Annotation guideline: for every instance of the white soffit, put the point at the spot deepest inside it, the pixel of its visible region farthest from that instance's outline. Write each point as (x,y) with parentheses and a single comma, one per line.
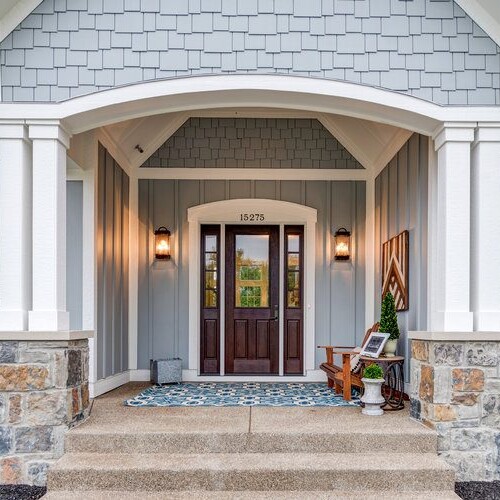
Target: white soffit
(12,12)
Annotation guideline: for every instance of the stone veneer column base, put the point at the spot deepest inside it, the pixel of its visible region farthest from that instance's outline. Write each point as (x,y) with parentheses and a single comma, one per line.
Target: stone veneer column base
(455,389)
(43,392)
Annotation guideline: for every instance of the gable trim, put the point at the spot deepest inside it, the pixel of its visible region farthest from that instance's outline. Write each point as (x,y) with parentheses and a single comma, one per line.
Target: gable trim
(482,17)
(20,10)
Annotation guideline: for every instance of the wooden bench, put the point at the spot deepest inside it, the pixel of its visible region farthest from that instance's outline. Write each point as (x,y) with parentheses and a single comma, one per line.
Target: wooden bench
(341,378)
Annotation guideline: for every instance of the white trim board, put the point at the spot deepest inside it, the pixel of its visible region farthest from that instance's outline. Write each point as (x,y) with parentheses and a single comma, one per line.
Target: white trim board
(19,11)
(254,91)
(328,174)
(108,384)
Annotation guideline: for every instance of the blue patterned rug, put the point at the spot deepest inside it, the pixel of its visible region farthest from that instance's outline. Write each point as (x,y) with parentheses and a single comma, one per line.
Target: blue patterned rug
(241,394)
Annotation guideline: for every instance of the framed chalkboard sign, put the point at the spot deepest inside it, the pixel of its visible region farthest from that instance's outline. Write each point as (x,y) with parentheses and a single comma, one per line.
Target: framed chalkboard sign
(374,345)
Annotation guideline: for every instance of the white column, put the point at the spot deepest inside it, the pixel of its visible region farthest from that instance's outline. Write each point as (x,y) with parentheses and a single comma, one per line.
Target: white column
(15,226)
(50,142)
(451,273)
(486,228)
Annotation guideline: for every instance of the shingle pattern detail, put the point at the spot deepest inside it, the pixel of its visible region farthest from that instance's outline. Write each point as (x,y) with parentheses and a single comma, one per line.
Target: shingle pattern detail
(426,48)
(252,143)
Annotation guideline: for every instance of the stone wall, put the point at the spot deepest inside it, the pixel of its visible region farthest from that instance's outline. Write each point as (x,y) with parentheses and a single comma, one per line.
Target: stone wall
(43,392)
(455,389)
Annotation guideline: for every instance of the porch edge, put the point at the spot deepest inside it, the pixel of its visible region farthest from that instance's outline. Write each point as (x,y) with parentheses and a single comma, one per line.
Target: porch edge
(455,336)
(46,336)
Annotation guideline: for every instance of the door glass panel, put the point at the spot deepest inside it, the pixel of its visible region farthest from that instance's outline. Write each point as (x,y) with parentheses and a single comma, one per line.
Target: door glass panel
(210,298)
(210,243)
(252,270)
(210,282)
(211,261)
(293,243)
(293,270)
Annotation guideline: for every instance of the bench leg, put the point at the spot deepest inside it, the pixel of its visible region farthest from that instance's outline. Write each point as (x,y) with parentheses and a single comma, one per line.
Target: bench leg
(338,389)
(330,383)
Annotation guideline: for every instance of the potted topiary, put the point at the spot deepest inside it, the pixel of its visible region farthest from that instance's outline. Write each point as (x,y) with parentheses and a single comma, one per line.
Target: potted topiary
(373,378)
(389,324)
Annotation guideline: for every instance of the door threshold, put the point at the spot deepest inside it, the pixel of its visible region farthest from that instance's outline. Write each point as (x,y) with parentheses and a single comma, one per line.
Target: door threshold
(310,376)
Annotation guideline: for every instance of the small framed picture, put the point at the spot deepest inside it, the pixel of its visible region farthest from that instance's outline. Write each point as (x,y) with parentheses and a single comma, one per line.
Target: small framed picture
(374,345)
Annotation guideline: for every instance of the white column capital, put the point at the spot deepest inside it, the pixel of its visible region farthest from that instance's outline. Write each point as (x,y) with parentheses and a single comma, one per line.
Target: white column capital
(454,132)
(49,130)
(13,129)
(487,132)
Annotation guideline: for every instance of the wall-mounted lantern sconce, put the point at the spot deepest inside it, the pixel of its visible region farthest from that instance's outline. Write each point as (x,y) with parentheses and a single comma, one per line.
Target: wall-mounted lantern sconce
(162,243)
(342,242)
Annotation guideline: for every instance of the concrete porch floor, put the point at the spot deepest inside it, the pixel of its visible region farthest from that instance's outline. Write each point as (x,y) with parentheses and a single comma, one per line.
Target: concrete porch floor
(109,415)
(249,452)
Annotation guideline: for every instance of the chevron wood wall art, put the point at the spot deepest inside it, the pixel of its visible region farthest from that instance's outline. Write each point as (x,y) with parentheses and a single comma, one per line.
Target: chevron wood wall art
(395,268)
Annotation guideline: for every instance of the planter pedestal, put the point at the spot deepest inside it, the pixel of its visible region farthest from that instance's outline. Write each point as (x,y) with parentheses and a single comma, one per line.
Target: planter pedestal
(372,397)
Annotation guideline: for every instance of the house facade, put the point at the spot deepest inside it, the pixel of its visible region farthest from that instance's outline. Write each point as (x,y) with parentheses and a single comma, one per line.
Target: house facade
(252,130)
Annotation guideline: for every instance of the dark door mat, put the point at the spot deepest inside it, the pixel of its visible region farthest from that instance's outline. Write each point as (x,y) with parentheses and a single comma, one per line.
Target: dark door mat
(21,492)
(478,490)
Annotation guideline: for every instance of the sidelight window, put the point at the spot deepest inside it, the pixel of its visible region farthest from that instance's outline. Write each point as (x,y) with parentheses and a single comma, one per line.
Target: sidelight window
(293,273)
(211,270)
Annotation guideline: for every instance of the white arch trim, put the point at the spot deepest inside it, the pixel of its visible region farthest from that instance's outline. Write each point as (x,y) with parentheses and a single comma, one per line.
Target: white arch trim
(229,91)
(228,212)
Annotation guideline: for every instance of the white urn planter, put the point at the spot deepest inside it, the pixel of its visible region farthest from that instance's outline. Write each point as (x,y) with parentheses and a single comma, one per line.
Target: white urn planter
(372,397)
(390,348)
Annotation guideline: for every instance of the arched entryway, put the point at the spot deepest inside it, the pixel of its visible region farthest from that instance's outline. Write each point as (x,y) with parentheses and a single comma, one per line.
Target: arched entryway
(242,213)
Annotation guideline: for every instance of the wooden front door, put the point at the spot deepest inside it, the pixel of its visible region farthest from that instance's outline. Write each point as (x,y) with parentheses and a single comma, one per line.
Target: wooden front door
(252,300)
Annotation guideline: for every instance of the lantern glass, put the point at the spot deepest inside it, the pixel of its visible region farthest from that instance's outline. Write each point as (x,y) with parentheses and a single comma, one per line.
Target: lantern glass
(162,243)
(342,244)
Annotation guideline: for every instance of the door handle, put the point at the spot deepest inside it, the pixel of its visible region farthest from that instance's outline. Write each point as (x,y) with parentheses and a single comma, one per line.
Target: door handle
(276,313)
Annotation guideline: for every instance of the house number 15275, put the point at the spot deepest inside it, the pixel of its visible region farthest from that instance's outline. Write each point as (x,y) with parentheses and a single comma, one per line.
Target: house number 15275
(252,217)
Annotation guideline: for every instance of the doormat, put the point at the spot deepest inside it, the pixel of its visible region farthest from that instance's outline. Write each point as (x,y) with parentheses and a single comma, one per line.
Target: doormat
(241,394)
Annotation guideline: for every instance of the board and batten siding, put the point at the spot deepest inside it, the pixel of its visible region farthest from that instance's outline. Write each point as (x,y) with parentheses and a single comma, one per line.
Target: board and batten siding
(401,195)
(112,266)
(163,287)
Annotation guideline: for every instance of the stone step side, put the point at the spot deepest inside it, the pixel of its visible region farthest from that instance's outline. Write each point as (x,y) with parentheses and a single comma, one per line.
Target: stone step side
(252,471)
(168,442)
(249,495)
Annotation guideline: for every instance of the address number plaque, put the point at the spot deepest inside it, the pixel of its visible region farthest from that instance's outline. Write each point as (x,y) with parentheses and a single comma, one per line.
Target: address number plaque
(252,217)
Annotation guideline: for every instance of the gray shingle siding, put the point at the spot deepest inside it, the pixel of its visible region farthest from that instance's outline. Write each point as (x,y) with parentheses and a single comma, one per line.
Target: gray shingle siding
(250,142)
(427,48)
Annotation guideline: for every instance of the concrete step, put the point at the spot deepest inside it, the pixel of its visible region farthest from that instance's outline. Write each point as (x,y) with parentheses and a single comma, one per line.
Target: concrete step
(402,472)
(256,442)
(249,495)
